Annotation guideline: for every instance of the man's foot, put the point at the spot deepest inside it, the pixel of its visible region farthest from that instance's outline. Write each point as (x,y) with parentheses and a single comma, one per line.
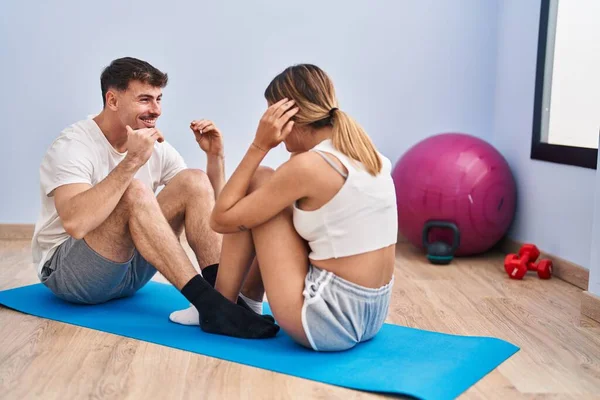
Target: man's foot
(209,274)
(190,316)
(231,319)
(220,316)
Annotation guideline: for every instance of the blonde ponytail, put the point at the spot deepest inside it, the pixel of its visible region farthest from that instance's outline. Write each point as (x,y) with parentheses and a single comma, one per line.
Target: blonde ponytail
(352,140)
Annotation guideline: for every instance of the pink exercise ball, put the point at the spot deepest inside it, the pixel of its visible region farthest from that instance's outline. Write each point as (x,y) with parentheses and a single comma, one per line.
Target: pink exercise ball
(457,178)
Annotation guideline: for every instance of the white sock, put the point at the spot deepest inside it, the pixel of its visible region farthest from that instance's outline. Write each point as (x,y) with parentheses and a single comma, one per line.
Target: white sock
(256,306)
(189,316)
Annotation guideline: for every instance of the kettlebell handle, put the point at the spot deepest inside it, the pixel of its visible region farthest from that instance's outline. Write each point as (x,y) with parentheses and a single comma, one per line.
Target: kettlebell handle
(445,225)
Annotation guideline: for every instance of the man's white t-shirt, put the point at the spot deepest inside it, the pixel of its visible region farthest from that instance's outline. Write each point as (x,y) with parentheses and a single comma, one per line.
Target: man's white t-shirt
(82,154)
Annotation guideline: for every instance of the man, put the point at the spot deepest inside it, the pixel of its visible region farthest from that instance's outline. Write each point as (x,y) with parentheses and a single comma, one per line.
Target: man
(102,233)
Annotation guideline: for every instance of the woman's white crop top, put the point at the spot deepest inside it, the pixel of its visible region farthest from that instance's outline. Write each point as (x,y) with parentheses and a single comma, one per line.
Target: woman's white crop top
(361,217)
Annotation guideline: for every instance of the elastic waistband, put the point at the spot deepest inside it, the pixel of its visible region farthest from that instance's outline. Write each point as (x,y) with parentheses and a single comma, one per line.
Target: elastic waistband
(327,277)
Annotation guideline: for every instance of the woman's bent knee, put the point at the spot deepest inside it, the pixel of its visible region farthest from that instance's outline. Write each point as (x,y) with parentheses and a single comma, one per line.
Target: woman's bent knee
(261,175)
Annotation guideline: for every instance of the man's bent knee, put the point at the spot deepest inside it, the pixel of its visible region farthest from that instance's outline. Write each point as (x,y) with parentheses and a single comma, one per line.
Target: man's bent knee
(137,194)
(193,182)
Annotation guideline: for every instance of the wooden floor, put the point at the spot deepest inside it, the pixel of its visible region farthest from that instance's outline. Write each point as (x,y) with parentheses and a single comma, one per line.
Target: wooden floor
(559,356)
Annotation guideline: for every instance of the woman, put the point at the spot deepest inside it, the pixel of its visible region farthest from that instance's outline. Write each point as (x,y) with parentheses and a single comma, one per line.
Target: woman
(322,227)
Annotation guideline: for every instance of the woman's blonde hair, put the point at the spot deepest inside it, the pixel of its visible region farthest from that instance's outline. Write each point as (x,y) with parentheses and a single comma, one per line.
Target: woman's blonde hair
(314,94)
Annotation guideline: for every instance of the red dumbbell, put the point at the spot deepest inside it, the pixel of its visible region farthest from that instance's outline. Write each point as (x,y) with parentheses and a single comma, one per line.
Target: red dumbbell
(543,268)
(516,265)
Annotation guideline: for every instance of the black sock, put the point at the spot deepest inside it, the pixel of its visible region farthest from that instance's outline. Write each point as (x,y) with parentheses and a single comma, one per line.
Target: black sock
(210,274)
(221,316)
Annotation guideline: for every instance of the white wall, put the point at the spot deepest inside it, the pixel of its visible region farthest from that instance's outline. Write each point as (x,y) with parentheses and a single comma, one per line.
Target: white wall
(549,213)
(405,70)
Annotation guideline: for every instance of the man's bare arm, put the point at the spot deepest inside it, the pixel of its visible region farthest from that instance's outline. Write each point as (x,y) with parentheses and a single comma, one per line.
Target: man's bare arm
(215,170)
(210,139)
(82,208)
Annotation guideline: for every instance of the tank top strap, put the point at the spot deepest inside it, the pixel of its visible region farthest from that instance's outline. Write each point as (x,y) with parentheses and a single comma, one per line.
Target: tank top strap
(333,165)
(326,146)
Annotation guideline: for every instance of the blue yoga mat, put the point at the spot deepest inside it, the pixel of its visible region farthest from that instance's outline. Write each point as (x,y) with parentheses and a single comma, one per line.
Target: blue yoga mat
(399,360)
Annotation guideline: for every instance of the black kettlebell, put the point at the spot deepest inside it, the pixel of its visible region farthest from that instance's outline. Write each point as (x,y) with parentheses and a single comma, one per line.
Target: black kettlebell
(440,252)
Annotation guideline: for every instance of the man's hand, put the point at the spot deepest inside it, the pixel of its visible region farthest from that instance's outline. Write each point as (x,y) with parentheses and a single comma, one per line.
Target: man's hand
(208,137)
(140,144)
(210,140)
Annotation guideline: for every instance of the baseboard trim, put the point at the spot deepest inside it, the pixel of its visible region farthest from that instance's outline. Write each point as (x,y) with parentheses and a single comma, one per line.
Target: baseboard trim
(16,231)
(562,269)
(590,305)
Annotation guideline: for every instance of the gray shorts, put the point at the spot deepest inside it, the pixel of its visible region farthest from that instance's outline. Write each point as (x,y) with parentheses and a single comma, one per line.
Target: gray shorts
(338,314)
(76,273)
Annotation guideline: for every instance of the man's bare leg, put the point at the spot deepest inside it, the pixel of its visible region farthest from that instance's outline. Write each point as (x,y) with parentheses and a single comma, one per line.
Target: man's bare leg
(135,223)
(187,201)
(184,199)
(139,221)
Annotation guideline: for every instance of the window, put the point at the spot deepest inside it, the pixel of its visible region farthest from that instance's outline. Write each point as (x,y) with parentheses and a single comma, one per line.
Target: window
(567,89)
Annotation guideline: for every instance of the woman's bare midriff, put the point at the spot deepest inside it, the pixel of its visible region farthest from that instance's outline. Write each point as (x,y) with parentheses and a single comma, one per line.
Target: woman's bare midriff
(373,269)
